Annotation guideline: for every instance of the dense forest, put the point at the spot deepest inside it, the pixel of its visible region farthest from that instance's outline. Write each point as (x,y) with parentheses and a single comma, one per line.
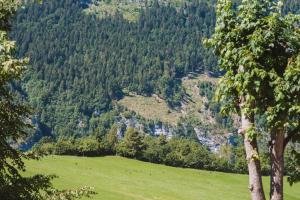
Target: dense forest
(80,64)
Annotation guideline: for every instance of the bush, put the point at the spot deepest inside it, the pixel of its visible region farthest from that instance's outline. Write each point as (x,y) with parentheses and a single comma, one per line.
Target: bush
(88,147)
(155,149)
(45,148)
(240,162)
(65,147)
(110,142)
(177,152)
(187,153)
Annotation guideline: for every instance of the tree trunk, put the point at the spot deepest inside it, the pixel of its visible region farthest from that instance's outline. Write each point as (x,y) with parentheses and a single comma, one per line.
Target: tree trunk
(255,179)
(277,165)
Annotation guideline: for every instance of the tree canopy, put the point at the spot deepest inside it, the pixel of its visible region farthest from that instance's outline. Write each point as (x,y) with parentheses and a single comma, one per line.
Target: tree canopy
(258,46)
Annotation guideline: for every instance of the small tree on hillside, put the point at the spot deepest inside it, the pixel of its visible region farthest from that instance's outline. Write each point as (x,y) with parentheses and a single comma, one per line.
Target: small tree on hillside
(132,145)
(258,47)
(110,141)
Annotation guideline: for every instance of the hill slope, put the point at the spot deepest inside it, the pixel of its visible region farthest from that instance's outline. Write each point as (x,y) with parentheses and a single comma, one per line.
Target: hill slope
(155,108)
(80,63)
(116,178)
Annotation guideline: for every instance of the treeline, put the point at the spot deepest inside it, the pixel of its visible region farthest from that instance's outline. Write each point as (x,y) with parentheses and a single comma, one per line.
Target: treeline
(79,63)
(177,151)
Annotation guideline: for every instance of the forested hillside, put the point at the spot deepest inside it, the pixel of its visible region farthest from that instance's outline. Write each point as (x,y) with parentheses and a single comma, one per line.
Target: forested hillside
(80,63)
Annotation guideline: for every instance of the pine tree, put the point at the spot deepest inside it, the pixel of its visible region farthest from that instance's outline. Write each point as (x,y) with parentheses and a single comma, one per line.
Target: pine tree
(14,125)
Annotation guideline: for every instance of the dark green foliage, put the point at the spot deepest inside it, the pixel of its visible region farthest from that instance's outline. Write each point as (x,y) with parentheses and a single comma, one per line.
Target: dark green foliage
(104,123)
(23,188)
(80,63)
(110,141)
(177,152)
(185,129)
(292,163)
(292,6)
(14,123)
(187,153)
(155,149)
(132,145)
(207,89)
(240,162)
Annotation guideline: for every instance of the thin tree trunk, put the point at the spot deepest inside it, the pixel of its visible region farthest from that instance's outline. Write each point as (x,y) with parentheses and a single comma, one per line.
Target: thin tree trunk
(254,168)
(277,165)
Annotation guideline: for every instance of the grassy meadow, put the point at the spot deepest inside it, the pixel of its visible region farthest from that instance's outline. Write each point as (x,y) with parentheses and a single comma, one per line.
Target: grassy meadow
(152,108)
(155,108)
(116,178)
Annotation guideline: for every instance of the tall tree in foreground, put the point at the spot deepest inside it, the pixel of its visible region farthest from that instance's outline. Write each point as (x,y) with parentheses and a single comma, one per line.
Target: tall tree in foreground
(258,47)
(14,120)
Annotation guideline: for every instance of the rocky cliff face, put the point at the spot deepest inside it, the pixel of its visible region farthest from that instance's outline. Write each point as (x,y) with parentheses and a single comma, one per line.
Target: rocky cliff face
(212,141)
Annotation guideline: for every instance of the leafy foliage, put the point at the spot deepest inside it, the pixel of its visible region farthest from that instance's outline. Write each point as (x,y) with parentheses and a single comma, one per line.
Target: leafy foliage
(259,47)
(177,151)
(207,89)
(292,166)
(13,121)
(69,194)
(254,60)
(132,145)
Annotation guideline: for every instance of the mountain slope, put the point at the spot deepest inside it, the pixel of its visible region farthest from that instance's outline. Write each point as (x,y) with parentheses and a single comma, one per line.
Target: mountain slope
(156,108)
(80,63)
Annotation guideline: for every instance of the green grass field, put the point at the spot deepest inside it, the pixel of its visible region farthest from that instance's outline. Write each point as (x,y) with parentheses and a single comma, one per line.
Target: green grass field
(116,178)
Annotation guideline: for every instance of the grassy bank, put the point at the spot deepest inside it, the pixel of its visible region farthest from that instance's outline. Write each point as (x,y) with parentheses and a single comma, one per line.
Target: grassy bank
(116,178)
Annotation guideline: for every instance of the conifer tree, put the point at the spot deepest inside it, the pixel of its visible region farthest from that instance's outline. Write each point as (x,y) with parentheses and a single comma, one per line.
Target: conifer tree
(14,124)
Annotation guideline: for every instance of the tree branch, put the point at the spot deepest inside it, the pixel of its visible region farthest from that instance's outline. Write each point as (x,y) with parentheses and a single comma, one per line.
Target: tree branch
(290,136)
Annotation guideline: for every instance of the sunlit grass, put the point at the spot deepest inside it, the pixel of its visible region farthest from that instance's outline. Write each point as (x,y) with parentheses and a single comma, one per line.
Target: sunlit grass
(116,178)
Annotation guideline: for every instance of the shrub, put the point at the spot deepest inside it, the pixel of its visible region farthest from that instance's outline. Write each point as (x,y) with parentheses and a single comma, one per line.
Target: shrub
(88,147)
(65,147)
(155,149)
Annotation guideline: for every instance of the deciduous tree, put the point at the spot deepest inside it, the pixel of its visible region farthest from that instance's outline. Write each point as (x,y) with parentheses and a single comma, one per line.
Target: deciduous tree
(258,47)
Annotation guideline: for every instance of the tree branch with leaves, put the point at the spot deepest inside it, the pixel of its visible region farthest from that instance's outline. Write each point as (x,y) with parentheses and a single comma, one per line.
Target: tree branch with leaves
(14,124)
(258,47)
